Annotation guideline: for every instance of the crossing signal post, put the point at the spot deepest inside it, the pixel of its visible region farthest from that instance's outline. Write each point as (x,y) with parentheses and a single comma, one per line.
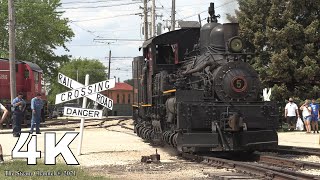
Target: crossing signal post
(79,90)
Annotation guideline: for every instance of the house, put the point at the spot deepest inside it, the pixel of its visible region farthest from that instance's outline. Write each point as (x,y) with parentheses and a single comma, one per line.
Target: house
(122,96)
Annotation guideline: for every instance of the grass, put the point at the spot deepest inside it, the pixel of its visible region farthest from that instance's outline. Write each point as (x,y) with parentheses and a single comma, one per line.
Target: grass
(20,170)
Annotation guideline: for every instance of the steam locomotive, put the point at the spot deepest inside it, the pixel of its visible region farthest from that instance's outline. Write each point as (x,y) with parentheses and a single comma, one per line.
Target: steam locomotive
(28,81)
(194,90)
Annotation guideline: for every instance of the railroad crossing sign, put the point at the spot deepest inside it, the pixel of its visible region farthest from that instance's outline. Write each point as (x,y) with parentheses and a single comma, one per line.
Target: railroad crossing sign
(79,90)
(79,112)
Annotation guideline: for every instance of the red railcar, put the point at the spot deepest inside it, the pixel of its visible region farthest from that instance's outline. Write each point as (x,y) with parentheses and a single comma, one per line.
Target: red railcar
(29,81)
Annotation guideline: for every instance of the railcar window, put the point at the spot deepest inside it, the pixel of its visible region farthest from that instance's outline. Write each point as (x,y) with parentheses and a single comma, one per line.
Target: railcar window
(26,73)
(164,54)
(118,98)
(129,98)
(36,77)
(123,98)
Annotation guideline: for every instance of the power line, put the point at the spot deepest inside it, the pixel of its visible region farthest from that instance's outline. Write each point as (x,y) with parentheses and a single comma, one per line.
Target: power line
(90,7)
(88,31)
(89,2)
(109,17)
(206,10)
(113,39)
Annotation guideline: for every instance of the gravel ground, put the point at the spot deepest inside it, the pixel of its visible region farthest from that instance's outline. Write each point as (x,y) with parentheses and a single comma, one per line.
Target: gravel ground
(115,152)
(315,159)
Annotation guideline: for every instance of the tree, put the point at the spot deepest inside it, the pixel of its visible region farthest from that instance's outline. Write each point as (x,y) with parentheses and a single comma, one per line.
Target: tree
(40,29)
(77,70)
(129,81)
(285,37)
(232,18)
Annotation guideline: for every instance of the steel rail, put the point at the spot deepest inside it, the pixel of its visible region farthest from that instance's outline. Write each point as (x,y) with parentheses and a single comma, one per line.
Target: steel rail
(249,168)
(288,162)
(297,150)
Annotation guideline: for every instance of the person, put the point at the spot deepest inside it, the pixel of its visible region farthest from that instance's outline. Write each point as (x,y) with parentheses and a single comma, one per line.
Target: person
(306,114)
(291,113)
(36,107)
(18,107)
(4,115)
(315,114)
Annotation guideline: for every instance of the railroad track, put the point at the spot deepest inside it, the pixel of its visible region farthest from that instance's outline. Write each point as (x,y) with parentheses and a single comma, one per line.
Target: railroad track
(279,168)
(288,162)
(297,150)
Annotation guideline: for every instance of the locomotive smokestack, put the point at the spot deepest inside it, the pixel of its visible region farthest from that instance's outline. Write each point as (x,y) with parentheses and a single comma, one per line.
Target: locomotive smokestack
(213,17)
(211,9)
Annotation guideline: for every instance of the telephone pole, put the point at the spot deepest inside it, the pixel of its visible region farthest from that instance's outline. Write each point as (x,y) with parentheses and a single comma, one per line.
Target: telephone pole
(109,64)
(153,18)
(145,15)
(173,15)
(12,55)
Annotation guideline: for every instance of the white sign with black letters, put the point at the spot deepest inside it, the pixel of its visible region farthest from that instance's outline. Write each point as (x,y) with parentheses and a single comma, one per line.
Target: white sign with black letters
(72,84)
(80,112)
(85,91)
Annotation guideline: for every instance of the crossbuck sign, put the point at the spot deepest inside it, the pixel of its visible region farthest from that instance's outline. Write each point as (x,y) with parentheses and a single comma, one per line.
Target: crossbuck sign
(78,90)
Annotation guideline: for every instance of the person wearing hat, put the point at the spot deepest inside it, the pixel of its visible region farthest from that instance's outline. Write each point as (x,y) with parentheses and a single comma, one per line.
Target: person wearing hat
(18,108)
(291,113)
(4,115)
(36,107)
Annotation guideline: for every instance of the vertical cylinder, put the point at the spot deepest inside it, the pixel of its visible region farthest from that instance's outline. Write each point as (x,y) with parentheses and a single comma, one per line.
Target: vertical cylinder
(12,49)
(173,15)
(84,104)
(145,12)
(153,17)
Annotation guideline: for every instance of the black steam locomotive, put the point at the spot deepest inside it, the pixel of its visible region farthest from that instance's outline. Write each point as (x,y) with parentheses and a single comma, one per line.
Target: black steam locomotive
(194,90)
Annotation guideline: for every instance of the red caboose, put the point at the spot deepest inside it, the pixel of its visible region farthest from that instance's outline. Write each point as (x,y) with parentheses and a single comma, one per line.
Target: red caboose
(28,81)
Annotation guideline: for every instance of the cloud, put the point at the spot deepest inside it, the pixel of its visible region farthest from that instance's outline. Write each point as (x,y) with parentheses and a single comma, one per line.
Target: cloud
(111,23)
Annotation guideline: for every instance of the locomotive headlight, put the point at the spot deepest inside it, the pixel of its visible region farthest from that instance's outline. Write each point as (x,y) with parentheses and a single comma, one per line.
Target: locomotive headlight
(235,44)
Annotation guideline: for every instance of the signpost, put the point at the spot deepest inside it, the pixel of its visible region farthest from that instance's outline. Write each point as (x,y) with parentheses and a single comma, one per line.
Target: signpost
(79,90)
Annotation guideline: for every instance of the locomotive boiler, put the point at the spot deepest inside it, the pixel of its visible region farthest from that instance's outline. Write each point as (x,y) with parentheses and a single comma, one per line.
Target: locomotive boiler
(195,90)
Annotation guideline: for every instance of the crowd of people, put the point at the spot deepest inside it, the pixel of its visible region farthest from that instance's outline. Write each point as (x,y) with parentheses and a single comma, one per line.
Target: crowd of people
(18,107)
(310,115)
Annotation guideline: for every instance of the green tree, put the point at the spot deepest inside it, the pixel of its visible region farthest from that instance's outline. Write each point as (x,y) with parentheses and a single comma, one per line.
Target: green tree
(232,18)
(129,81)
(285,37)
(77,70)
(40,29)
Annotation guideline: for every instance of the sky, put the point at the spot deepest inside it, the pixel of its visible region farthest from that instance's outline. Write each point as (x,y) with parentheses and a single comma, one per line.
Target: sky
(94,21)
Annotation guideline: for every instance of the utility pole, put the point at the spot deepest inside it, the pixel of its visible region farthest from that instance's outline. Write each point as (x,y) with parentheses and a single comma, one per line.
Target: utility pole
(153,18)
(78,100)
(109,68)
(173,15)
(109,64)
(145,15)
(12,50)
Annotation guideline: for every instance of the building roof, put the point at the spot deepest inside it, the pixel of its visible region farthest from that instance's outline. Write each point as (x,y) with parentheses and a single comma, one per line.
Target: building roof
(122,86)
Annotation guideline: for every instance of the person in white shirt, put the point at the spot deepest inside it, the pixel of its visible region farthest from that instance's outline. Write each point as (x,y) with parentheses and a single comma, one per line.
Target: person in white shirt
(291,113)
(306,114)
(4,115)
